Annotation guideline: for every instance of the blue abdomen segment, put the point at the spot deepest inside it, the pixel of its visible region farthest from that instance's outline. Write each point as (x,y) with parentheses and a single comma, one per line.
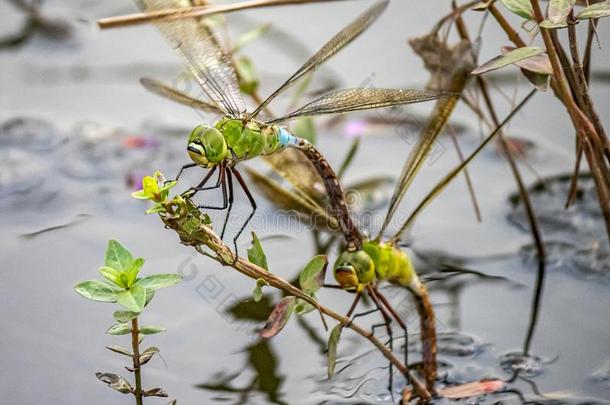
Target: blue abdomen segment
(286,138)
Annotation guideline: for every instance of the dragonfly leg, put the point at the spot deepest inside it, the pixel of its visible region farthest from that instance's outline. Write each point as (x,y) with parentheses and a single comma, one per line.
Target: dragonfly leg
(223,183)
(186,166)
(399,320)
(387,321)
(230,181)
(244,187)
(365,313)
(352,307)
(200,187)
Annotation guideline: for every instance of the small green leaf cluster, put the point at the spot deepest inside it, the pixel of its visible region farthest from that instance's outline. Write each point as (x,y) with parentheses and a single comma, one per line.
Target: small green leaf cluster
(256,255)
(155,188)
(311,279)
(558,11)
(122,285)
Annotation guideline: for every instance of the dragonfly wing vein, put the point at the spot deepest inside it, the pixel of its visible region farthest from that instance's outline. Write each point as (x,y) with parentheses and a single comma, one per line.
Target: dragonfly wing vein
(346,100)
(203,56)
(334,45)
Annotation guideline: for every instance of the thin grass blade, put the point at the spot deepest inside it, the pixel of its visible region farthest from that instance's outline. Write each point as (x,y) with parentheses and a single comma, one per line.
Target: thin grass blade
(346,100)
(336,43)
(441,185)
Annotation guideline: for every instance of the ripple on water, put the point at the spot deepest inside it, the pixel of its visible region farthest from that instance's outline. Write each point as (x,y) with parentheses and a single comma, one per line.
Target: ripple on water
(453,343)
(30,133)
(20,172)
(527,366)
(575,238)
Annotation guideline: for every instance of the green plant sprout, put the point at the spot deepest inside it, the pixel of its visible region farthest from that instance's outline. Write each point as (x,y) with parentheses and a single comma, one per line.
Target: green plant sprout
(122,285)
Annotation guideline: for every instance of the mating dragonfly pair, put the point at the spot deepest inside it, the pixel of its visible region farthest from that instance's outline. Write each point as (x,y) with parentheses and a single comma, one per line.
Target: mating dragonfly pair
(240,136)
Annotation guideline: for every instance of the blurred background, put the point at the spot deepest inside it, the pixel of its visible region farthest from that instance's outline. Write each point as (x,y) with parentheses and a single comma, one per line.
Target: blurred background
(77,133)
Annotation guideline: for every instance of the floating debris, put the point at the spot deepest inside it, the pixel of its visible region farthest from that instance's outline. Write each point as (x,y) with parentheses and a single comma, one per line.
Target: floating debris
(526,366)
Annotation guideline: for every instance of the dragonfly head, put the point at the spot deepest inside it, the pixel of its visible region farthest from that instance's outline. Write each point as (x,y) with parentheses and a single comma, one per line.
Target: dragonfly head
(207,147)
(353,270)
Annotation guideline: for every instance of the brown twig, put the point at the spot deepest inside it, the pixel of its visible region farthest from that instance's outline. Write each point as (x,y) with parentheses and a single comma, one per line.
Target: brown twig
(205,236)
(581,122)
(191,12)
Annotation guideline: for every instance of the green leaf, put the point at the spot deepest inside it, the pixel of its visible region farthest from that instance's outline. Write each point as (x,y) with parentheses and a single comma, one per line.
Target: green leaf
(257,293)
(111,274)
(149,296)
(537,64)
(311,277)
(278,317)
(509,58)
(132,299)
(133,270)
(140,195)
(97,290)
(151,329)
(117,256)
(539,80)
(148,354)
(157,281)
(558,10)
(333,343)
(155,392)
(115,382)
(152,191)
(598,10)
(119,329)
(256,254)
(305,128)
(150,186)
(550,25)
(120,350)
(124,316)
(523,8)
(303,307)
(155,209)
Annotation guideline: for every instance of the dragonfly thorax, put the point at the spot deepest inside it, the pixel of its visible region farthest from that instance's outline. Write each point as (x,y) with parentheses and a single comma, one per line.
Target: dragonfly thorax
(234,140)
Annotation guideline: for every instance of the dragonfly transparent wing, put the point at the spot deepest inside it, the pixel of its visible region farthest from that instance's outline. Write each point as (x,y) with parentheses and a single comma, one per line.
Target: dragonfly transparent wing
(203,56)
(163,90)
(336,43)
(345,100)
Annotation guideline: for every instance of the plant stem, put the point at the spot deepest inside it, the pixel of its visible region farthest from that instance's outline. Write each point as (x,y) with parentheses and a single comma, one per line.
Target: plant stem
(585,129)
(135,346)
(205,236)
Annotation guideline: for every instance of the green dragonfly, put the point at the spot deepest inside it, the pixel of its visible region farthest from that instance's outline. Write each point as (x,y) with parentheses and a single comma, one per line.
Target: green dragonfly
(238,135)
(364,263)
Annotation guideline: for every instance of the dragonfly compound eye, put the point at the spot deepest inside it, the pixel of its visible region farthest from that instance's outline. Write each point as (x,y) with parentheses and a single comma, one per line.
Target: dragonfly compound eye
(207,147)
(353,269)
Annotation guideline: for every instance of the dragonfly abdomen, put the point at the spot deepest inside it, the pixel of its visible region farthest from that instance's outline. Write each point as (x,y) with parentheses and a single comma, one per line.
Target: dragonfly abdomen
(339,208)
